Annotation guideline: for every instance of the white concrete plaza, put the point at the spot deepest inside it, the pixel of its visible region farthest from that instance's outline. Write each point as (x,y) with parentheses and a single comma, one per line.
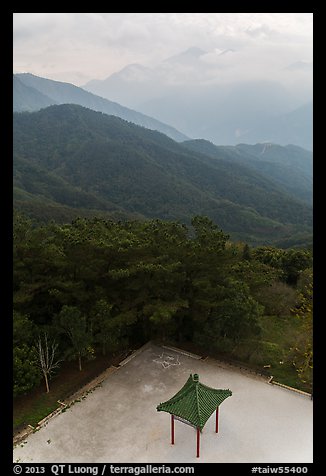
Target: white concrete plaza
(118,421)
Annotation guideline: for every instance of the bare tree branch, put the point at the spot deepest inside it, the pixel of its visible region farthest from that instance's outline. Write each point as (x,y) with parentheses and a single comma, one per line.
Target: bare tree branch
(47,362)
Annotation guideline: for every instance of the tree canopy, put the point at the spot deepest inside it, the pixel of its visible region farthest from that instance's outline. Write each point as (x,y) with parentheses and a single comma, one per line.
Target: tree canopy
(99,286)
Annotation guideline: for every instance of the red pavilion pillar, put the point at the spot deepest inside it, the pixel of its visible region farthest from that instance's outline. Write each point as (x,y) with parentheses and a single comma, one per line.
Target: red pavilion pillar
(216,426)
(172,429)
(198,441)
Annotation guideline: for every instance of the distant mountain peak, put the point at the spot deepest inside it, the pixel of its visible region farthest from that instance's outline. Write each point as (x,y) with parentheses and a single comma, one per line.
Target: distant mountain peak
(189,54)
(132,72)
(134,66)
(32,93)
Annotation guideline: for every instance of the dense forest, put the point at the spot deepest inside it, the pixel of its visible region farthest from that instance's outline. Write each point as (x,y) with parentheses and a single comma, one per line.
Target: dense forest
(95,286)
(70,161)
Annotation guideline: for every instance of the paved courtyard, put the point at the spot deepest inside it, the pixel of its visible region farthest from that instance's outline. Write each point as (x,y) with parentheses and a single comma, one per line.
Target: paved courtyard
(118,421)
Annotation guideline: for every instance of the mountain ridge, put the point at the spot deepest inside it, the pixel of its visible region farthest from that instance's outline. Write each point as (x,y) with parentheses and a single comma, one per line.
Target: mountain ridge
(290,167)
(144,172)
(199,93)
(66,93)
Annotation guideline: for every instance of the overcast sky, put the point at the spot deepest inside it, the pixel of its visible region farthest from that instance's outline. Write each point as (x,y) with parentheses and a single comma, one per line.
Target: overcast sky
(77,47)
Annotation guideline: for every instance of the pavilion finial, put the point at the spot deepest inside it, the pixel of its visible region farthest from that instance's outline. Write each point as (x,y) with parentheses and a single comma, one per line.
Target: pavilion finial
(195,378)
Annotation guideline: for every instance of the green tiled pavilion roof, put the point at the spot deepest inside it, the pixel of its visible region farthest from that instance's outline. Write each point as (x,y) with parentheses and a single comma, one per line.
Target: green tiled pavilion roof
(195,402)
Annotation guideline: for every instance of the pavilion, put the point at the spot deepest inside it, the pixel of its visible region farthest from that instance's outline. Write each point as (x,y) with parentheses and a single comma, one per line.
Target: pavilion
(193,404)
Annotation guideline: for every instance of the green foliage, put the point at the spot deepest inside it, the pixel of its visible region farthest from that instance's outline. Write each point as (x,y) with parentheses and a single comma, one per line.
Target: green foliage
(31,93)
(302,351)
(294,262)
(235,318)
(69,160)
(289,167)
(73,323)
(105,329)
(291,263)
(278,298)
(24,330)
(26,373)
(102,286)
(208,235)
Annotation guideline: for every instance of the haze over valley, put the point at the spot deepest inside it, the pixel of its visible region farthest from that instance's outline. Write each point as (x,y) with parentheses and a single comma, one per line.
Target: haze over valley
(234,105)
(162,192)
(196,93)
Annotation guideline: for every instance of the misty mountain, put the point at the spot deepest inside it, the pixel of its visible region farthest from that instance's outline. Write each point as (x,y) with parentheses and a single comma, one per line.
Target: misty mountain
(249,112)
(136,84)
(290,167)
(90,162)
(197,93)
(296,125)
(31,93)
(188,56)
(27,98)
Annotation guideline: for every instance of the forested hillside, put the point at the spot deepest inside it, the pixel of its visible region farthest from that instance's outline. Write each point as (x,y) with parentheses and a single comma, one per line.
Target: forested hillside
(27,98)
(166,204)
(31,93)
(290,167)
(95,286)
(71,161)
